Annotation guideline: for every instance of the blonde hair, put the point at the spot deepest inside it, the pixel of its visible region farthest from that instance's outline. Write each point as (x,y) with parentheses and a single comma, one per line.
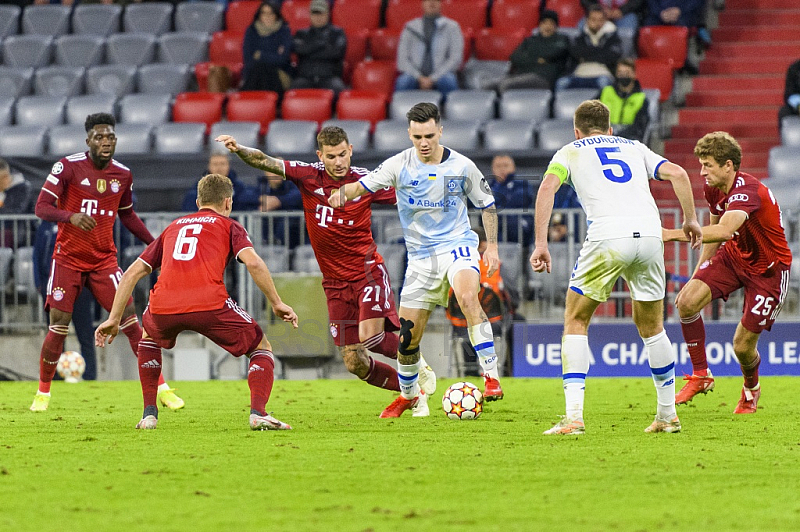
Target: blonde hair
(721,147)
(213,189)
(592,116)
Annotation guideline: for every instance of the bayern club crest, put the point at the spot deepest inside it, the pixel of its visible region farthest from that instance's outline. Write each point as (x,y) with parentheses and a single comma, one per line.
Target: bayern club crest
(114,186)
(334,330)
(58,293)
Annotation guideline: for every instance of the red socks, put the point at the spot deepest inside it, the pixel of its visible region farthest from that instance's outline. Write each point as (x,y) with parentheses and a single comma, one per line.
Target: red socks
(382,375)
(384,344)
(52,347)
(149,370)
(260,377)
(694,334)
(133,331)
(751,373)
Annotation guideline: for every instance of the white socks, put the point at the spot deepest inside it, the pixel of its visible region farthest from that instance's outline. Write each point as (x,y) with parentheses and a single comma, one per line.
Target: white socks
(408,375)
(574,367)
(662,366)
(482,339)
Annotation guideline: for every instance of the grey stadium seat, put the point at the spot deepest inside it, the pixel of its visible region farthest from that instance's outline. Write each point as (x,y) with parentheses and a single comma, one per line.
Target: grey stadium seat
(131,49)
(357,131)
(59,80)
(304,260)
(79,107)
(41,110)
(27,50)
(404,100)
(133,139)
(206,17)
(161,78)
(6,110)
(526,104)
(46,19)
(554,134)
(23,271)
(276,257)
(460,135)
(9,20)
(151,109)
(15,81)
(291,136)
(66,140)
(183,48)
(511,264)
(96,19)
(470,105)
(786,193)
(790,131)
(390,135)
(784,162)
(244,132)
(565,102)
(22,141)
(79,50)
(117,80)
(480,73)
(502,135)
(183,137)
(152,17)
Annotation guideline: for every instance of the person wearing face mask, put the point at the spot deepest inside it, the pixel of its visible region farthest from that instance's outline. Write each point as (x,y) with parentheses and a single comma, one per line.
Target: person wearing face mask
(627,102)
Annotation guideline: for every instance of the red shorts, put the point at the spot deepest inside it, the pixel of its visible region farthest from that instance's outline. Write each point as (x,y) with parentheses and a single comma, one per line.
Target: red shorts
(65,284)
(230,327)
(351,302)
(763,294)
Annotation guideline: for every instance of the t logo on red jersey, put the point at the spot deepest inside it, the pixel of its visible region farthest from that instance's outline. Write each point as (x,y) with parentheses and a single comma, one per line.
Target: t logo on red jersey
(89,207)
(325,216)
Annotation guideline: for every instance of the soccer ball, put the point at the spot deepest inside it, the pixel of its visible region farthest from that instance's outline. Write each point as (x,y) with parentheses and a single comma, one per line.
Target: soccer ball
(462,400)
(71,366)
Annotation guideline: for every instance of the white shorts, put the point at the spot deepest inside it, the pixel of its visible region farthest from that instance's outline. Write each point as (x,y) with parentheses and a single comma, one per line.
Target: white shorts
(640,261)
(428,279)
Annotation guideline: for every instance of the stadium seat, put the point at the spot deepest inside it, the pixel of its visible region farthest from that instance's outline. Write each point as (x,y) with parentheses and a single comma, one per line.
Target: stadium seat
(479,74)
(526,104)
(96,19)
(468,13)
(512,265)
(569,12)
(667,43)
(515,14)
(508,135)
(554,134)
(787,194)
(134,49)
(240,15)
(79,107)
(782,164)
(205,17)
(398,12)
(297,14)
(133,138)
(226,48)
(183,48)
(15,82)
(179,138)
(6,111)
(361,105)
(205,107)
(46,19)
(496,43)
(27,50)
(305,261)
(292,137)
(383,44)
(22,141)
(307,104)
(9,20)
(79,50)
(245,133)
(628,38)
(23,272)
(655,74)
(163,78)
(357,132)
(111,79)
(790,131)
(356,14)
(150,17)
(470,105)
(391,135)
(59,81)
(66,140)
(41,110)
(404,100)
(253,105)
(375,76)
(356,50)
(460,135)
(151,109)
(276,257)
(565,102)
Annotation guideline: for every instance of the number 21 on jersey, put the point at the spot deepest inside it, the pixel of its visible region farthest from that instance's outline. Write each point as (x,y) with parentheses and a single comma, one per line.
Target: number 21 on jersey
(185,245)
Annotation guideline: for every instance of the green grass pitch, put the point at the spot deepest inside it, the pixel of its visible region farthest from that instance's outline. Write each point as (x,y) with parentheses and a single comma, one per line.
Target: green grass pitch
(81,466)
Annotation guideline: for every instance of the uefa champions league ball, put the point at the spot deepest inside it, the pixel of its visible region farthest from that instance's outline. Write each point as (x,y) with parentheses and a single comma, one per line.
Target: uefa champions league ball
(462,400)
(71,366)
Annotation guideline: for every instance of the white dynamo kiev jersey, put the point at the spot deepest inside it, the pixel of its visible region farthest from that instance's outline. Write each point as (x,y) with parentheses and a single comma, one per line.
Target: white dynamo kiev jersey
(431,199)
(611,176)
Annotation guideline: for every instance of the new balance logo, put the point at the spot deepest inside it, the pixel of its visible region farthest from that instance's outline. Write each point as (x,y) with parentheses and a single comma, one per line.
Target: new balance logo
(151,364)
(85,182)
(376,308)
(319,191)
(254,367)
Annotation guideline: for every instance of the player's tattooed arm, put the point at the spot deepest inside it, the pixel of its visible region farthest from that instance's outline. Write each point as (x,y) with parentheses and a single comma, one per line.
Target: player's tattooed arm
(491,256)
(252,156)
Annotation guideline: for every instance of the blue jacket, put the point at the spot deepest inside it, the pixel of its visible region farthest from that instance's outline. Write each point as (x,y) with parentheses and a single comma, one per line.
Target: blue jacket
(275,49)
(514,194)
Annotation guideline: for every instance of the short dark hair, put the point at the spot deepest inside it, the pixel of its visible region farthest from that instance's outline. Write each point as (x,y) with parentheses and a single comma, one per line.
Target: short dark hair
(594,7)
(273,5)
(331,136)
(98,119)
(424,111)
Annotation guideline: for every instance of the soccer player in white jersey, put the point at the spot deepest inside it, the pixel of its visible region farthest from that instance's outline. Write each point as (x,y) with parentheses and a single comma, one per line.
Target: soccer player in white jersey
(610,177)
(432,183)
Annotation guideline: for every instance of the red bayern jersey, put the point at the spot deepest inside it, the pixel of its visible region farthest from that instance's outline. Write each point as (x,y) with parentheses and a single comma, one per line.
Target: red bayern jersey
(79,186)
(341,238)
(192,253)
(760,242)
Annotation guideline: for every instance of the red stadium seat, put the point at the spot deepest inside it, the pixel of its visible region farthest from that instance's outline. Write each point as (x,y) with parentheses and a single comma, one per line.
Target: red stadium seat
(468,13)
(515,14)
(398,12)
(225,47)
(249,106)
(205,107)
(356,50)
(361,105)
(356,14)
(375,76)
(297,14)
(497,44)
(383,44)
(307,104)
(655,74)
(240,15)
(667,43)
(570,12)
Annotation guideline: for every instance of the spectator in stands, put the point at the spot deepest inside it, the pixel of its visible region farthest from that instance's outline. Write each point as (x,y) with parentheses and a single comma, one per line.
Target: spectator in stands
(267,51)
(623,13)
(627,102)
(245,198)
(558,230)
(512,193)
(595,53)
(278,194)
(430,51)
(320,52)
(16,197)
(791,94)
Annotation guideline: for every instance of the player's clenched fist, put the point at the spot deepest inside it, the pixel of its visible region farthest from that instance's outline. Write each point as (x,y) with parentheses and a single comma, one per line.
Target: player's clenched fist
(229,142)
(337,198)
(82,221)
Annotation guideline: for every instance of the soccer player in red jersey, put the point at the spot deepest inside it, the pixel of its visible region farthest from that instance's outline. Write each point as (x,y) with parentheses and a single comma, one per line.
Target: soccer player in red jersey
(84,193)
(746,247)
(361,308)
(192,253)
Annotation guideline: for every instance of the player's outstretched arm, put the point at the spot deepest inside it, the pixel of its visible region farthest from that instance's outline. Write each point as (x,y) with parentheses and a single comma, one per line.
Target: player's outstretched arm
(263,279)
(110,328)
(718,231)
(679,179)
(491,257)
(540,258)
(253,157)
(344,194)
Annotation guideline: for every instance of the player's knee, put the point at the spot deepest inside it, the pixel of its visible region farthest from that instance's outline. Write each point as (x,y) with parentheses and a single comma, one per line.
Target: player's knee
(468,301)
(59,317)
